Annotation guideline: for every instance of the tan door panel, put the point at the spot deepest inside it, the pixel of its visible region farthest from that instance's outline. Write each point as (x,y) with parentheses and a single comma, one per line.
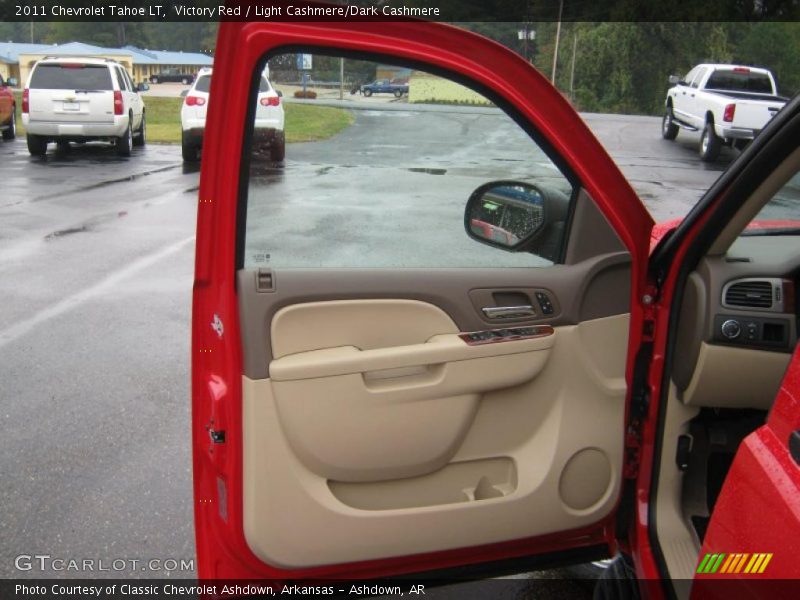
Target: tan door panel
(365,324)
(393,448)
(393,427)
(375,396)
(438,351)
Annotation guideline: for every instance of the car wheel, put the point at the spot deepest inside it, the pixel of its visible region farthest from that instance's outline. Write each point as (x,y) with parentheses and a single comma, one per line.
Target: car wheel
(188,149)
(11,132)
(710,144)
(141,135)
(125,142)
(669,130)
(278,150)
(184,81)
(154,80)
(37,145)
(368,93)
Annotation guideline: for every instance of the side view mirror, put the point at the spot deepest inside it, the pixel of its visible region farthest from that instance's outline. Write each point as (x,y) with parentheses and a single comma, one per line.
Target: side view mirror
(142,87)
(517,216)
(674,80)
(12,82)
(184,93)
(280,93)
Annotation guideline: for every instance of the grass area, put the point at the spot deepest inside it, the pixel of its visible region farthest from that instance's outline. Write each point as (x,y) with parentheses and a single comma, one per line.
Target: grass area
(308,123)
(304,122)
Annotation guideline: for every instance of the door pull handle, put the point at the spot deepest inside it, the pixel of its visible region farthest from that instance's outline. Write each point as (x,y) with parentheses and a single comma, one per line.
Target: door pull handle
(509,312)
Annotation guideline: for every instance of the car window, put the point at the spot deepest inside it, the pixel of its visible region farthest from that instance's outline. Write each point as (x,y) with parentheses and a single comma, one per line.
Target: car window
(781,215)
(698,77)
(71,76)
(690,75)
(121,81)
(384,181)
(203,83)
(128,79)
(740,80)
(263,86)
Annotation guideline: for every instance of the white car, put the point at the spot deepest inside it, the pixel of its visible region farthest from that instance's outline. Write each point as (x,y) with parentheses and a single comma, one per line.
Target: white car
(728,104)
(268,131)
(79,99)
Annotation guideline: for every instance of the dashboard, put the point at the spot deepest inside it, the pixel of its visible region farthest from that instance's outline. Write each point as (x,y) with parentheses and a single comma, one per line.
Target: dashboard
(738,324)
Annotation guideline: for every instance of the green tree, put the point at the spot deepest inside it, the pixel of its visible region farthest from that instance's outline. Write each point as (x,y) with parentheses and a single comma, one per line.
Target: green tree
(775,46)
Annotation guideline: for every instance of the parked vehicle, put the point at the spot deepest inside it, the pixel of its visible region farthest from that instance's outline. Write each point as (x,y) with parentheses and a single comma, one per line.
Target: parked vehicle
(385,86)
(385,421)
(269,119)
(79,99)
(728,104)
(8,109)
(172,76)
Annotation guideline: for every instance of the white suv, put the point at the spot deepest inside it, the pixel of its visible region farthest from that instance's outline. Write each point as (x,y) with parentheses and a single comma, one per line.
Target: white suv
(79,99)
(268,135)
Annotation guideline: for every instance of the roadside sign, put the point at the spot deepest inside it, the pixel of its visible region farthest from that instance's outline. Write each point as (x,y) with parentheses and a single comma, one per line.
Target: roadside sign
(304,62)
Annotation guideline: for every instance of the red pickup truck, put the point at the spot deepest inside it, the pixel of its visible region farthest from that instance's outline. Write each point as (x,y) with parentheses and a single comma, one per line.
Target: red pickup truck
(8,109)
(579,395)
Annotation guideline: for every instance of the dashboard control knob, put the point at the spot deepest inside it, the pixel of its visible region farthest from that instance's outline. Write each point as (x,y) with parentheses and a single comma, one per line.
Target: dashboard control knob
(731,329)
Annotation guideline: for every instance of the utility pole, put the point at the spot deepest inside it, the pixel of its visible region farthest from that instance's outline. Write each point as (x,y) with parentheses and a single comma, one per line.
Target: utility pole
(341,78)
(31,32)
(572,68)
(558,37)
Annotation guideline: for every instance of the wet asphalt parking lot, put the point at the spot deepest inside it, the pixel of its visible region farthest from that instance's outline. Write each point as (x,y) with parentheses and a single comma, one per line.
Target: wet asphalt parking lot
(96,263)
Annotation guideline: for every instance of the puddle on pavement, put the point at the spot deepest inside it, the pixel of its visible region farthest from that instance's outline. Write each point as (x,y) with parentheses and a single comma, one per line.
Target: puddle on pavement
(427,171)
(68,231)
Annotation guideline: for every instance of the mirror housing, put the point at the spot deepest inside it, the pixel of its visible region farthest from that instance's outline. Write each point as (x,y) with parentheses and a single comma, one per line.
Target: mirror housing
(280,93)
(142,87)
(518,217)
(675,80)
(184,93)
(12,82)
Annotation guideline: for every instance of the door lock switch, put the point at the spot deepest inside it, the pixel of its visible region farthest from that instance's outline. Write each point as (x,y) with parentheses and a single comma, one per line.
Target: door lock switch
(544,303)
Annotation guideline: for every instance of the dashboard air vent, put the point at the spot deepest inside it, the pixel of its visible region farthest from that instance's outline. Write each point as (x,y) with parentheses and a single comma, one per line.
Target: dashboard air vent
(749,294)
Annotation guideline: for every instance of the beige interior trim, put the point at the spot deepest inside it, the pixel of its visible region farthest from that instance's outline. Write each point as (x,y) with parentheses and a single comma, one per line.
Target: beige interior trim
(736,377)
(369,441)
(763,194)
(365,324)
(541,456)
(676,535)
(438,350)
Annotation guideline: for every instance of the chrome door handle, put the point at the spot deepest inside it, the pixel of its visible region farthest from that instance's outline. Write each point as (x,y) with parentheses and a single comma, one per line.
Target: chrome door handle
(509,312)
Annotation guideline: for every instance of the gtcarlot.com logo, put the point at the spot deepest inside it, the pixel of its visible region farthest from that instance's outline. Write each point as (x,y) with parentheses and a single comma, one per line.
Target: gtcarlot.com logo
(46,562)
(734,563)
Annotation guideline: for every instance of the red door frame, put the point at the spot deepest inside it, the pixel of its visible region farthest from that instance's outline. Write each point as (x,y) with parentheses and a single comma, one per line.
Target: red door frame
(216,357)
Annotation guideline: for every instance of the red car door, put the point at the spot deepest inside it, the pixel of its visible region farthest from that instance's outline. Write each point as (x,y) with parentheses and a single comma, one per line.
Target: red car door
(754,526)
(351,422)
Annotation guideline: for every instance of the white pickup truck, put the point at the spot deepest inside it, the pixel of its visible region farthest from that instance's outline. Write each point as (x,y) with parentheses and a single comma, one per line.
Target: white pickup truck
(728,104)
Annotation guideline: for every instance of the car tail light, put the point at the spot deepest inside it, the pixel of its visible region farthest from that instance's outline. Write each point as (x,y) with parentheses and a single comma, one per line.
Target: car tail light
(730,110)
(118,106)
(195,101)
(271,101)
(26,100)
